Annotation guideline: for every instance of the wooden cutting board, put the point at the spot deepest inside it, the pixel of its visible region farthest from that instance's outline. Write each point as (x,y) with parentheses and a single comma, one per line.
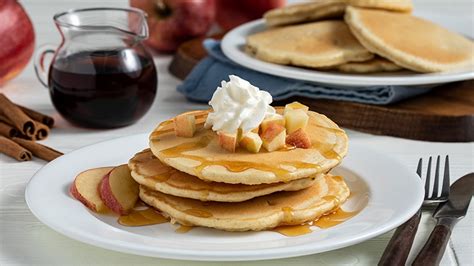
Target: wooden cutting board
(444,114)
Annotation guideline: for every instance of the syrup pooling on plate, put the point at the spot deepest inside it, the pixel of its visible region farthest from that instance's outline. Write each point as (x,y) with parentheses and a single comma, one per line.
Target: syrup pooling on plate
(334,218)
(293,230)
(142,217)
(324,222)
(183,229)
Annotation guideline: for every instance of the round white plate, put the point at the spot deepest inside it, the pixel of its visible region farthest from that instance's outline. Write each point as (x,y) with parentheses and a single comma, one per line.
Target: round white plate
(233,47)
(387,192)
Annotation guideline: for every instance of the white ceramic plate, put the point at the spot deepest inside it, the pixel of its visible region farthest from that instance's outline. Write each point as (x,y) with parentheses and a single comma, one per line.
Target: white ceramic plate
(233,47)
(387,192)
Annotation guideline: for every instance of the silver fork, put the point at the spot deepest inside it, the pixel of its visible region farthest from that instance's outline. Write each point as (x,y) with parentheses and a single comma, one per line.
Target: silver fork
(397,250)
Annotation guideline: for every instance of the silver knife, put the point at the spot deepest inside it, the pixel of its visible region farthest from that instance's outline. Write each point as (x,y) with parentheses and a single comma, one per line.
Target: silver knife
(447,215)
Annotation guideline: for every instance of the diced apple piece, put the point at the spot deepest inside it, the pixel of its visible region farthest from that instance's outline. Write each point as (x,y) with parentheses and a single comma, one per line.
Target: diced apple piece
(118,190)
(85,188)
(296,119)
(273,137)
(185,125)
(299,139)
(227,141)
(296,106)
(251,141)
(274,119)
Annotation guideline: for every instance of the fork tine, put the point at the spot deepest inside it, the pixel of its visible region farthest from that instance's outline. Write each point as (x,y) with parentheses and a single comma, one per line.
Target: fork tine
(427,180)
(418,168)
(436,179)
(446,181)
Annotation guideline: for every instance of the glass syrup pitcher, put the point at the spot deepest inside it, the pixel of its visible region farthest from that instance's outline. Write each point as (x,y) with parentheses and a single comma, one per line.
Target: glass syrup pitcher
(101,75)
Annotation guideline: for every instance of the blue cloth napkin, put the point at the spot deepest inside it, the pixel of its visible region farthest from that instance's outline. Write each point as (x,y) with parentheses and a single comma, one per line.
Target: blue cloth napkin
(207,75)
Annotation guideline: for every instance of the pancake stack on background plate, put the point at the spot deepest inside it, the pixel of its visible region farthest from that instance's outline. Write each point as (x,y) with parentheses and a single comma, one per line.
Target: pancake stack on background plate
(358,36)
(196,181)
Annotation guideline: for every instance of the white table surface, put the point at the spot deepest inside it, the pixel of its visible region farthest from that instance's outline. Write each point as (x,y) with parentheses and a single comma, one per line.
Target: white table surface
(26,241)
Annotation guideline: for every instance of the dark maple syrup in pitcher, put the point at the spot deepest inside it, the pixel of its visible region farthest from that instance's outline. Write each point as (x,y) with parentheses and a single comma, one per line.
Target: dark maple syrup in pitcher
(103,89)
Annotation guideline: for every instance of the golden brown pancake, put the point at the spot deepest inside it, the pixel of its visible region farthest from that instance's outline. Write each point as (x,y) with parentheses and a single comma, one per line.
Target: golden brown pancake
(377,64)
(305,12)
(270,211)
(392,5)
(150,172)
(409,41)
(317,44)
(318,10)
(201,155)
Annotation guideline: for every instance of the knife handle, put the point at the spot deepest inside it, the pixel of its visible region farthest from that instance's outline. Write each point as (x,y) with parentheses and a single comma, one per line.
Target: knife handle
(434,248)
(397,250)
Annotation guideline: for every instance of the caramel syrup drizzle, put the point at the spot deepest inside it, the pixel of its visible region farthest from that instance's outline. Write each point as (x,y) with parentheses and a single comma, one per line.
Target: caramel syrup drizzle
(142,217)
(326,150)
(150,216)
(166,126)
(235,166)
(329,220)
(183,229)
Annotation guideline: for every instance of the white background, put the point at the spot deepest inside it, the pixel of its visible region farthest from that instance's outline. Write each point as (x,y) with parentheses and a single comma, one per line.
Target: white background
(24,240)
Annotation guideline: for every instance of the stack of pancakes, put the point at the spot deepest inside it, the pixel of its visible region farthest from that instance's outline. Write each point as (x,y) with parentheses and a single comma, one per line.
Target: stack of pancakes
(195,182)
(358,36)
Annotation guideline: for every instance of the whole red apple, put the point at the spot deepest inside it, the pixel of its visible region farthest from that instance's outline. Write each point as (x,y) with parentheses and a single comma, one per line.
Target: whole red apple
(171,22)
(17,39)
(230,14)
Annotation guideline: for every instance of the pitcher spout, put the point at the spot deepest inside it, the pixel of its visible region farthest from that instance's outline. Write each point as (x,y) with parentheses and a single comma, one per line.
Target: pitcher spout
(126,21)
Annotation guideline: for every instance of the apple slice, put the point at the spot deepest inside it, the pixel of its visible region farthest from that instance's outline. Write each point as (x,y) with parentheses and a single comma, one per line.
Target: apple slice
(296,119)
(184,125)
(85,188)
(273,137)
(274,119)
(299,139)
(295,106)
(227,141)
(118,190)
(251,141)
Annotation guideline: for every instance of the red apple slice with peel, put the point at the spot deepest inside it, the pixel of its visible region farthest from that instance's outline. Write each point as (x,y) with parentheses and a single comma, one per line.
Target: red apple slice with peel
(118,190)
(85,188)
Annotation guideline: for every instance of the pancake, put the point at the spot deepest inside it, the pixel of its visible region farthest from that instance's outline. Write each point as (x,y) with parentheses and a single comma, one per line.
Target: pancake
(305,12)
(150,172)
(377,64)
(318,10)
(410,42)
(317,44)
(201,155)
(282,208)
(393,5)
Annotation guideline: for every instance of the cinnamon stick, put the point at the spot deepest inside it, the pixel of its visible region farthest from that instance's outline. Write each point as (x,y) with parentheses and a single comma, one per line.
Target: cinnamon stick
(16,116)
(42,118)
(7,130)
(41,151)
(14,150)
(41,131)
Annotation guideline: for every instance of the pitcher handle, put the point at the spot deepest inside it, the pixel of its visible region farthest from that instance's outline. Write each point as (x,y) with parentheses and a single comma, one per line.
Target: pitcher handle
(41,71)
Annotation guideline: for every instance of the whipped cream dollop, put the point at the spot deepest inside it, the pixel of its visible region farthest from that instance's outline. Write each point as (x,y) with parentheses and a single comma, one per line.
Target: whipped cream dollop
(238,104)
